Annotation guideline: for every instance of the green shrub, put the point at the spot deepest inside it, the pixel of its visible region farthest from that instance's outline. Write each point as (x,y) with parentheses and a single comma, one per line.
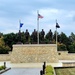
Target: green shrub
(49,70)
(2,67)
(49,73)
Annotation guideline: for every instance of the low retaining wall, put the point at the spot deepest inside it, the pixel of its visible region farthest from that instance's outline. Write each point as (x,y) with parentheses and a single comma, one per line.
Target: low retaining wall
(64,55)
(5,57)
(34,53)
(69,64)
(67,59)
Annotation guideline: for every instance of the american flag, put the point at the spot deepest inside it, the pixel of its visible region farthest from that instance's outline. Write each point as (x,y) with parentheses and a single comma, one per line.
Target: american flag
(40,16)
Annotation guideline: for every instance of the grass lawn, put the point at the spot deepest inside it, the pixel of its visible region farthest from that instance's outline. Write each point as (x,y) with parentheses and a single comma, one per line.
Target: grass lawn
(65,71)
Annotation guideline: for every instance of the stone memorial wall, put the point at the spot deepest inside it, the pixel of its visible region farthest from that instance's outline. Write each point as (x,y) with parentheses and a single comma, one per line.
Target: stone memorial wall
(34,53)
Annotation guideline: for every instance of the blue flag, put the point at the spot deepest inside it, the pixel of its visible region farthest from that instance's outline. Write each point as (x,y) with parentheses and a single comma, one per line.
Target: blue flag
(21,24)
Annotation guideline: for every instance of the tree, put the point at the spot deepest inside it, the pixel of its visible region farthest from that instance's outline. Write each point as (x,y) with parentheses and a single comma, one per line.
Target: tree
(49,36)
(72,37)
(62,47)
(9,39)
(72,48)
(54,37)
(4,49)
(1,34)
(64,39)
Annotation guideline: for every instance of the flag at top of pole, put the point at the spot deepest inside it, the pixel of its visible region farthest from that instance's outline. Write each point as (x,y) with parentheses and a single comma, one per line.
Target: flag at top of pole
(21,24)
(57,25)
(40,16)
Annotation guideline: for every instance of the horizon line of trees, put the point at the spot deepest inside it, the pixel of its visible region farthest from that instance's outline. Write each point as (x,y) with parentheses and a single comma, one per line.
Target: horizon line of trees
(65,43)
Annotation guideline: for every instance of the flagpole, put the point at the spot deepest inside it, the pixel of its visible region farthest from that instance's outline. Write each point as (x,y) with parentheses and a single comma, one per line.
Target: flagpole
(37,27)
(56,36)
(19,31)
(19,26)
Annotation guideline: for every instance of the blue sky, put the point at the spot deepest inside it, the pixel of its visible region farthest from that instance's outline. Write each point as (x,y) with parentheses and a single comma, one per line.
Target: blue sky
(11,11)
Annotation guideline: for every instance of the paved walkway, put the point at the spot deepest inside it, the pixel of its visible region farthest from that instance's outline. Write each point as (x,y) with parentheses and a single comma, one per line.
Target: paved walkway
(23,71)
(28,65)
(67,61)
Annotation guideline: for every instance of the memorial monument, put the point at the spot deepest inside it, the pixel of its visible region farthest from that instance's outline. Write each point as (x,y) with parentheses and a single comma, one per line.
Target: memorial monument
(42,34)
(34,36)
(27,36)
